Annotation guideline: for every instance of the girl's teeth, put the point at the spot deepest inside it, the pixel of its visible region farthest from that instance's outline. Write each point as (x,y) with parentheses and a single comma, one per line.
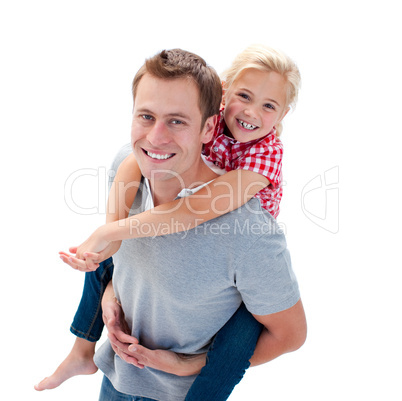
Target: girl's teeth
(158,156)
(247,126)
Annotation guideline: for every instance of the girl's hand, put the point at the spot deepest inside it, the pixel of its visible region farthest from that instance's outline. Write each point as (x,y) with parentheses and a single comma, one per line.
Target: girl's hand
(85,265)
(96,243)
(90,253)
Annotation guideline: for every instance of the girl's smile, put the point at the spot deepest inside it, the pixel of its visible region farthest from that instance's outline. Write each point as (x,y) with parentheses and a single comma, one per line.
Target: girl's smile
(254,104)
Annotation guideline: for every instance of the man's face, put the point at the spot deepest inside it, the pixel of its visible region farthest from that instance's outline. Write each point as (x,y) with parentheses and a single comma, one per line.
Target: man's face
(166,133)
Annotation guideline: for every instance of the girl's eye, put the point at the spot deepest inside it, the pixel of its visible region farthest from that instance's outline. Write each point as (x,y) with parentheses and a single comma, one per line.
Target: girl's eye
(269,106)
(244,96)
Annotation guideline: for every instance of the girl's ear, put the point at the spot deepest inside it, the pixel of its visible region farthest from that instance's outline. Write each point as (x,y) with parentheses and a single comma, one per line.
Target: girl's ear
(284,114)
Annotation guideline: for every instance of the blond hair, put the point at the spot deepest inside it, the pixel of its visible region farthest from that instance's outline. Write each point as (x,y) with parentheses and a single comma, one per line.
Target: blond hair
(267,59)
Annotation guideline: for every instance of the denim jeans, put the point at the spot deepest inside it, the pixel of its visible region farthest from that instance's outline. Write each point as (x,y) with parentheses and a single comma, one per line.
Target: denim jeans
(109,393)
(227,358)
(88,322)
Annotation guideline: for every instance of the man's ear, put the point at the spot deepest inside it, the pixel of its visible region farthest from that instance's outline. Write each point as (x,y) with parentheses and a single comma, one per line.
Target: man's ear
(209,128)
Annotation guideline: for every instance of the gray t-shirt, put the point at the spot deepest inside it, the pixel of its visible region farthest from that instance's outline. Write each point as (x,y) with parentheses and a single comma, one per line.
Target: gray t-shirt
(178,290)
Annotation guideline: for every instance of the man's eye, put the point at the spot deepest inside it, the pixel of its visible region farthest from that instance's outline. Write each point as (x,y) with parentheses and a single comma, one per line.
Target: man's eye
(146,117)
(177,122)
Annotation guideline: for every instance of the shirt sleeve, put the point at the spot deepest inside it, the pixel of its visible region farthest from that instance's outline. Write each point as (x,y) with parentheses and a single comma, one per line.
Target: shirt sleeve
(265,278)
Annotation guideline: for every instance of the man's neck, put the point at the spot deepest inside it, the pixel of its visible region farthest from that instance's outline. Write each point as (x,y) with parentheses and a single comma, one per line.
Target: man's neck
(166,191)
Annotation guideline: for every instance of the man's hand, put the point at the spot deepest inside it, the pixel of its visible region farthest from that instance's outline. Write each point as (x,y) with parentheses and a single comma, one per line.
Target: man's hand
(129,350)
(119,332)
(167,361)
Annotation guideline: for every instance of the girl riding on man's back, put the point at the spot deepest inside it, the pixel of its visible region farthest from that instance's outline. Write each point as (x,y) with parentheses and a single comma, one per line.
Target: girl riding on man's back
(258,90)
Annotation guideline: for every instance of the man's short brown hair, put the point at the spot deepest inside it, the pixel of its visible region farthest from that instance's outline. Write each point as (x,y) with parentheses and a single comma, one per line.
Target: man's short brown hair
(177,63)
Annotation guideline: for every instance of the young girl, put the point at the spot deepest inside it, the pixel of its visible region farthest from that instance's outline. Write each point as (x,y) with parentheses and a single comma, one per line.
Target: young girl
(259,89)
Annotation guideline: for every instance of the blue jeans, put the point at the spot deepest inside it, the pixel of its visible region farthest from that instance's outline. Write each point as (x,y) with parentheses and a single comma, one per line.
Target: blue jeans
(109,393)
(88,322)
(227,358)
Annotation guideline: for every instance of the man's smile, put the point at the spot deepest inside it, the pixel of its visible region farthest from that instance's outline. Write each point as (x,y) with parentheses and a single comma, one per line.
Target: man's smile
(158,156)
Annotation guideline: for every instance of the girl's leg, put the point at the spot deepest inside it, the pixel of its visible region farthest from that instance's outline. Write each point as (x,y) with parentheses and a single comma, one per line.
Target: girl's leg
(88,323)
(227,359)
(87,326)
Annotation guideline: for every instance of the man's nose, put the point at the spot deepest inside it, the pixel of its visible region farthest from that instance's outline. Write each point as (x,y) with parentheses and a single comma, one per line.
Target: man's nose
(159,134)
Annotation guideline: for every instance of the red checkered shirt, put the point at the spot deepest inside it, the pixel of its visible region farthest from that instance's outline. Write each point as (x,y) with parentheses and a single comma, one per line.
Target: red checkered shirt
(263,156)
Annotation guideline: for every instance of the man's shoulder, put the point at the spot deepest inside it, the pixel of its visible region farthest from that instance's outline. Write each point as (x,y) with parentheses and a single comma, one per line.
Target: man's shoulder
(123,152)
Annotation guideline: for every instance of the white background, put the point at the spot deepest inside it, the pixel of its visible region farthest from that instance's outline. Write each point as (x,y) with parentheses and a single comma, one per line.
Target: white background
(65,79)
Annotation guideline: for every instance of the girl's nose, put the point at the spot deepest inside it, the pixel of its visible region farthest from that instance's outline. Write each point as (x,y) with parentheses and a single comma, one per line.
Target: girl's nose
(250,112)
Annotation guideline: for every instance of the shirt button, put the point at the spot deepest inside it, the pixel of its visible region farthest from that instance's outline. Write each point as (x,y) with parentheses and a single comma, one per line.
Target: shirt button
(215,148)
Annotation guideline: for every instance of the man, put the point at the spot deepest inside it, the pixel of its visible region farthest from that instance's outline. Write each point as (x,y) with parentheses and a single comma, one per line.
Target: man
(177,293)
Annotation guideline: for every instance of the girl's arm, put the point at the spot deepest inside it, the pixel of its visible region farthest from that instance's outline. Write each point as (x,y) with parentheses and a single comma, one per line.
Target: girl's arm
(123,190)
(223,195)
(226,193)
(121,196)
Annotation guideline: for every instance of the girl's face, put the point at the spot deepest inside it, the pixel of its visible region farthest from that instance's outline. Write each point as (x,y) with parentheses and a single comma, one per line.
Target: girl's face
(254,104)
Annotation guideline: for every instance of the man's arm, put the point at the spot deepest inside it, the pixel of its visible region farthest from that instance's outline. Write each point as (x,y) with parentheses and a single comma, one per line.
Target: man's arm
(128,348)
(284,332)
(118,330)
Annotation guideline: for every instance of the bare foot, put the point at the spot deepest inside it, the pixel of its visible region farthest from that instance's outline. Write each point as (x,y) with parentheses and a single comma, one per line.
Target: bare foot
(78,362)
